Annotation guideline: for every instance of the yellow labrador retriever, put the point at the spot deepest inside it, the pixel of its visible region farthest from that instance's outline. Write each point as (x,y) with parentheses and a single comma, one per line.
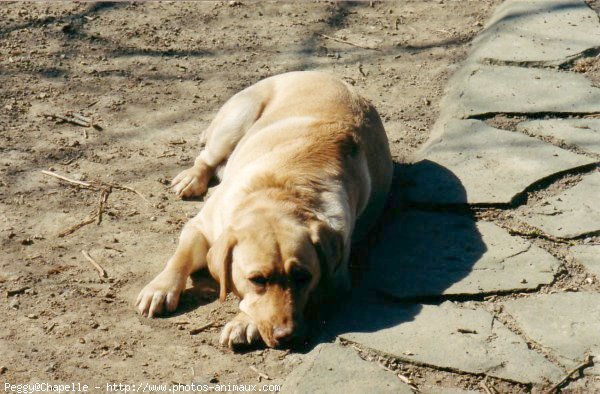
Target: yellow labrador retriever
(304,163)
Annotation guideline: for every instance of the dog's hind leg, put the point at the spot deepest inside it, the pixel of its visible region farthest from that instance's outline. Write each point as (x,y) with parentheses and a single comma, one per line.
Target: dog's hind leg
(229,126)
(162,293)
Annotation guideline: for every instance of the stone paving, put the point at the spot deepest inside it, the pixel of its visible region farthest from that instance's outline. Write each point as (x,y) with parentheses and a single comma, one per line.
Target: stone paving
(448,291)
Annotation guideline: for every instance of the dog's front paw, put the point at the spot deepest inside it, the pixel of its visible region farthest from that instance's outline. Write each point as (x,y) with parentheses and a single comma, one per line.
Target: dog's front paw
(162,294)
(241,331)
(191,182)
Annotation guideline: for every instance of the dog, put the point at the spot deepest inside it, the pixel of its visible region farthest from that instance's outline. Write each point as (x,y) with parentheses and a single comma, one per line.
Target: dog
(304,167)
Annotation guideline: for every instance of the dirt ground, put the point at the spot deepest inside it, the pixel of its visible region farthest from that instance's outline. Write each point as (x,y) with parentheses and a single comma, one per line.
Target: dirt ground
(151,76)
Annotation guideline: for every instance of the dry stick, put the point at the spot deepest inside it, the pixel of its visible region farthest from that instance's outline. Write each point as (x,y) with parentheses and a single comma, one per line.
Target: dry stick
(409,382)
(195,331)
(96,185)
(51,327)
(103,199)
(100,270)
(10,293)
(72,120)
(586,363)
(72,229)
(129,189)
(260,374)
(403,378)
(82,118)
(348,42)
(73,181)
(485,387)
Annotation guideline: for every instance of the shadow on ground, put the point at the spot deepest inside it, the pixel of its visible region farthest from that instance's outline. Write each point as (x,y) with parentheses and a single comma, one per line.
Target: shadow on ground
(413,257)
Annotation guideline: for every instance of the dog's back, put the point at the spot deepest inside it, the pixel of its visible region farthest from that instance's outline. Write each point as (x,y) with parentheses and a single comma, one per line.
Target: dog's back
(315,128)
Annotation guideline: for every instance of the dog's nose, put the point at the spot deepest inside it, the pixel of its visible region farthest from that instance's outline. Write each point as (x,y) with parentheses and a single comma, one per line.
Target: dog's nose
(283,334)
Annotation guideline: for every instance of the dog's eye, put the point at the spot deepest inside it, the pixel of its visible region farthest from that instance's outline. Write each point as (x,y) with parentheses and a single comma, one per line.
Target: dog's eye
(301,276)
(258,280)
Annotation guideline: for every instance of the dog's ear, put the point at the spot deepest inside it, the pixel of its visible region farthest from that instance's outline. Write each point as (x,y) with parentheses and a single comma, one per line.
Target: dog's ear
(219,261)
(329,245)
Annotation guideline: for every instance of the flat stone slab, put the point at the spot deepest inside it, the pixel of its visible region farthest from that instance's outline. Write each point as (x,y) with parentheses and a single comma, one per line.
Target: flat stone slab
(446,336)
(468,161)
(573,213)
(588,256)
(549,32)
(486,90)
(332,368)
(424,254)
(582,133)
(567,325)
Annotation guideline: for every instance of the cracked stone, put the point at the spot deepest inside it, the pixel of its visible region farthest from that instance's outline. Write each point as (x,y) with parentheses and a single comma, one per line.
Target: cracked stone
(565,324)
(485,90)
(588,256)
(425,254)
(467,161)
(332,368)
(582,133)
(573,213)
(430,335)
(543,31)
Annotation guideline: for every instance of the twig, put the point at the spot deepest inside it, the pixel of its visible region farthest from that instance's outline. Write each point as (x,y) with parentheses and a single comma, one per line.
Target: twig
(96,185)
(409,382)
(129,189)
(198,330)
(260,374)
(71,120)
(586,363)
(115,249)
(101,202)
(51,327)
(80,117)
(360,69)
(348,42)
(167,154)
(180,142)
(10,293)
(73,181)
(485,387)
(466,331)
(84,222)
(100,270)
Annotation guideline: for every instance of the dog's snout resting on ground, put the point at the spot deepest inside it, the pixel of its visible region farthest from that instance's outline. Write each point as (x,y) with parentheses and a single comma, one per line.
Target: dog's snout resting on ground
(304,164)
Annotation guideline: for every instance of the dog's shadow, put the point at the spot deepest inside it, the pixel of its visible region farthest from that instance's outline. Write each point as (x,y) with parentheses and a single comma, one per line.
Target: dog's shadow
(416,254)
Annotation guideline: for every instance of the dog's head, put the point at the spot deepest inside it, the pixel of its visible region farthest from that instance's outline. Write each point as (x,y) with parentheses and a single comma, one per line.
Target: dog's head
(273,263)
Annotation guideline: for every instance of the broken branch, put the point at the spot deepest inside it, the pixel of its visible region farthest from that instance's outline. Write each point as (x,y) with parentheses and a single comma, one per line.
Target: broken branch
(71,119)
(586,363)
(72,229)
(198,330)
(96,185)
(260,374)
(100,270)
(73,181)
(348,42)
(101,202)
(10,293)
